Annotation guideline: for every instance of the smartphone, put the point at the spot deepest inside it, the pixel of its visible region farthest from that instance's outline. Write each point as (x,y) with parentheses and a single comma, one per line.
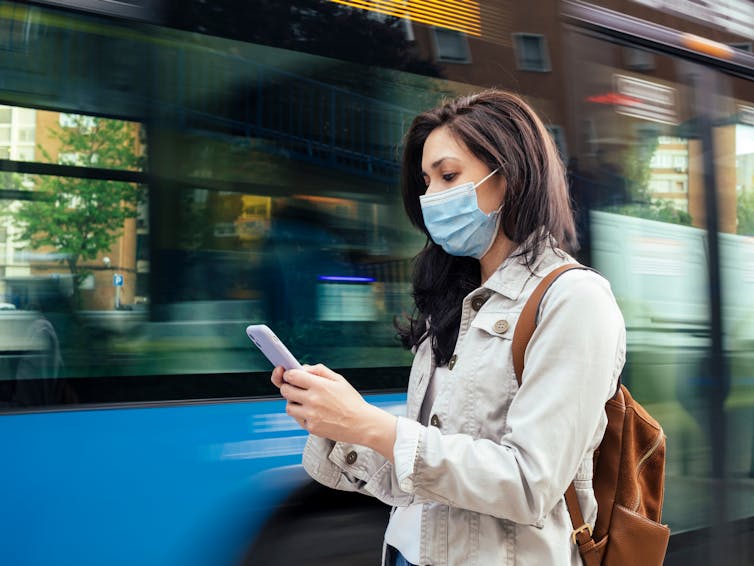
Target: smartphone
(271,346)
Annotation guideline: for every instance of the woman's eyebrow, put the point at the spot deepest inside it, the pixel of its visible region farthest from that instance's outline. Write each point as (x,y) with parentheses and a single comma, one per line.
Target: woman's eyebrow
(437,163)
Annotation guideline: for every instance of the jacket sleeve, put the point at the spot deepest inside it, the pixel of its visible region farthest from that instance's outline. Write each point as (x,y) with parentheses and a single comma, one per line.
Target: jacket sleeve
(350,467)
(572,365)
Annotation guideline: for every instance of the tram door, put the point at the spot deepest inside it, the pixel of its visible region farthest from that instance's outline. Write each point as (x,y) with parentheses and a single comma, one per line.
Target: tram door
(662,174)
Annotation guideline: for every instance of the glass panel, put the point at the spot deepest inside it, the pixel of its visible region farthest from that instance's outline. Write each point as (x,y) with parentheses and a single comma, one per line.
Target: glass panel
(274,199)
(61,249)
(734,168)
(637,179)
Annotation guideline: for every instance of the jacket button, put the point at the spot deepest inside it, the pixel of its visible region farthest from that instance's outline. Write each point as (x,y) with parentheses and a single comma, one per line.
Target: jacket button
(452,361)
(351,457)
(435,421)
(501,326)
(477,302)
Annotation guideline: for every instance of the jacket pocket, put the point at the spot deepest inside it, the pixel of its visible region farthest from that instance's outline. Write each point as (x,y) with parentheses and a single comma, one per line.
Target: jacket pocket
(493,332)
(498,324)
(490,376)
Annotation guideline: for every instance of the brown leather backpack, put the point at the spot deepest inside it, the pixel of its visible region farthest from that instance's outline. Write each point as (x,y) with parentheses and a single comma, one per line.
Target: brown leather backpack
(629,470)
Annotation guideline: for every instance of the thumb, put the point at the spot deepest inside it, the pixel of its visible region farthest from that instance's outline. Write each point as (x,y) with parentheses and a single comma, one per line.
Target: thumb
(323,371)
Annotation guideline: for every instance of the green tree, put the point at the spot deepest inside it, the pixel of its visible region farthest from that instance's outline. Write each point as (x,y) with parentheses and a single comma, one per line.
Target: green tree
(656,209)
(745,213)
(82,218)
(9,183)
(638,169)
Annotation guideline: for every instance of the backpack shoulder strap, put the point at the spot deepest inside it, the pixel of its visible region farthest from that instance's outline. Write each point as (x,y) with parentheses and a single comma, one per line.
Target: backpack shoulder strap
(527,321)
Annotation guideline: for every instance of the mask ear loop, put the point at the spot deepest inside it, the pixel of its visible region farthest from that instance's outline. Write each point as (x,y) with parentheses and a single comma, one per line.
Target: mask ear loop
(487,177)
(496,212)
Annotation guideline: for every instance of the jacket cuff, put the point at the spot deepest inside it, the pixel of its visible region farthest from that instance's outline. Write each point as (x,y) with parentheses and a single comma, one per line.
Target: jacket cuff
(407,436)
(315,461)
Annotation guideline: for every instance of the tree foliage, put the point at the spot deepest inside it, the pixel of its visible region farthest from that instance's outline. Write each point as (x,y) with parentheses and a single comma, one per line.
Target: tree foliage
(81,218)
(655,209)
(745,213)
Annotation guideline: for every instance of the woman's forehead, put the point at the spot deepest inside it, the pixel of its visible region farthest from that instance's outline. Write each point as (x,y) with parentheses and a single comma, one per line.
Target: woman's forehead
(442,145)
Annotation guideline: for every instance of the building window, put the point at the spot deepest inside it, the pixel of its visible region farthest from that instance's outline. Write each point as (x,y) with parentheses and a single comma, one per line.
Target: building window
(531,52)
(70,158)
(659,185)
(639,59)
(24,154)
(26,116)
(451,46)
(26,134)
(84,123)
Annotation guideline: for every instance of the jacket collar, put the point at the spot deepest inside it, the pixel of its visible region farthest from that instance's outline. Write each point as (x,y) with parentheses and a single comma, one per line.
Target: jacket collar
(511,277)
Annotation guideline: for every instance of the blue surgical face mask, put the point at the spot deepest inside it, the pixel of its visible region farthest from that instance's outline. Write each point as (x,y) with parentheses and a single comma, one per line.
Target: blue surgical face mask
(455,221)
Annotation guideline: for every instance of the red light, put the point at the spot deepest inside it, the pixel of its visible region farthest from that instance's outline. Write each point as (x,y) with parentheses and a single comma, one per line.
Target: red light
(613,98)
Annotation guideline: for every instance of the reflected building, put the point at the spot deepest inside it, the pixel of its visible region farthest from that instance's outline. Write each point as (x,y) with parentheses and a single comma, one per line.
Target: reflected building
(630,92)
(35,135)
(18,127)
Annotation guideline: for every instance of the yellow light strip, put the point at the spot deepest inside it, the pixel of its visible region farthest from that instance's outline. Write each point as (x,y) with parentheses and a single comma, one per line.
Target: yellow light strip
(457,15)
(446,15)
(467,8)
(420,12)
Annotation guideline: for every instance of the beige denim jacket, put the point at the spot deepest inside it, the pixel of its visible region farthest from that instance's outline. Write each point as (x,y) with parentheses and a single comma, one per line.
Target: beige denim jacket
(494,461)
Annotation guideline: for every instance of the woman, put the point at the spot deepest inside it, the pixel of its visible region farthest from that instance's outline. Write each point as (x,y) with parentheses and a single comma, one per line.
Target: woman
(477,469)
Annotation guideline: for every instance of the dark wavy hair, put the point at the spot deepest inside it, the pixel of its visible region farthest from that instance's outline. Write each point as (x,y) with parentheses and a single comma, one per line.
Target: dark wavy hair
(503,131)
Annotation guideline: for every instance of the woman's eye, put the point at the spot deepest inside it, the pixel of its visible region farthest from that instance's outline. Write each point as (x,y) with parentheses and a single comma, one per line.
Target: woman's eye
(447,177)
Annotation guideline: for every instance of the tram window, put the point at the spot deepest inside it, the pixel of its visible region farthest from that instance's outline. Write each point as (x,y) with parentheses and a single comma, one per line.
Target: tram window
(272,198)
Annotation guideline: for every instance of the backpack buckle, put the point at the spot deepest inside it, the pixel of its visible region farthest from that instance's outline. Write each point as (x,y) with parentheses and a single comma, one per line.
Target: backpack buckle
(585,527)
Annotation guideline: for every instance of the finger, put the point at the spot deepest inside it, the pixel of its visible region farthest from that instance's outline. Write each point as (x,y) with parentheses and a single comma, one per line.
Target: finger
(293,394)
(324,371)
(299,378)
(277,377)
(296,411)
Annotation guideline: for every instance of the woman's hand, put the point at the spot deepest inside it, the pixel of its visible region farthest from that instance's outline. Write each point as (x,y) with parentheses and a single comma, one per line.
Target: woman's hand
(326,405)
